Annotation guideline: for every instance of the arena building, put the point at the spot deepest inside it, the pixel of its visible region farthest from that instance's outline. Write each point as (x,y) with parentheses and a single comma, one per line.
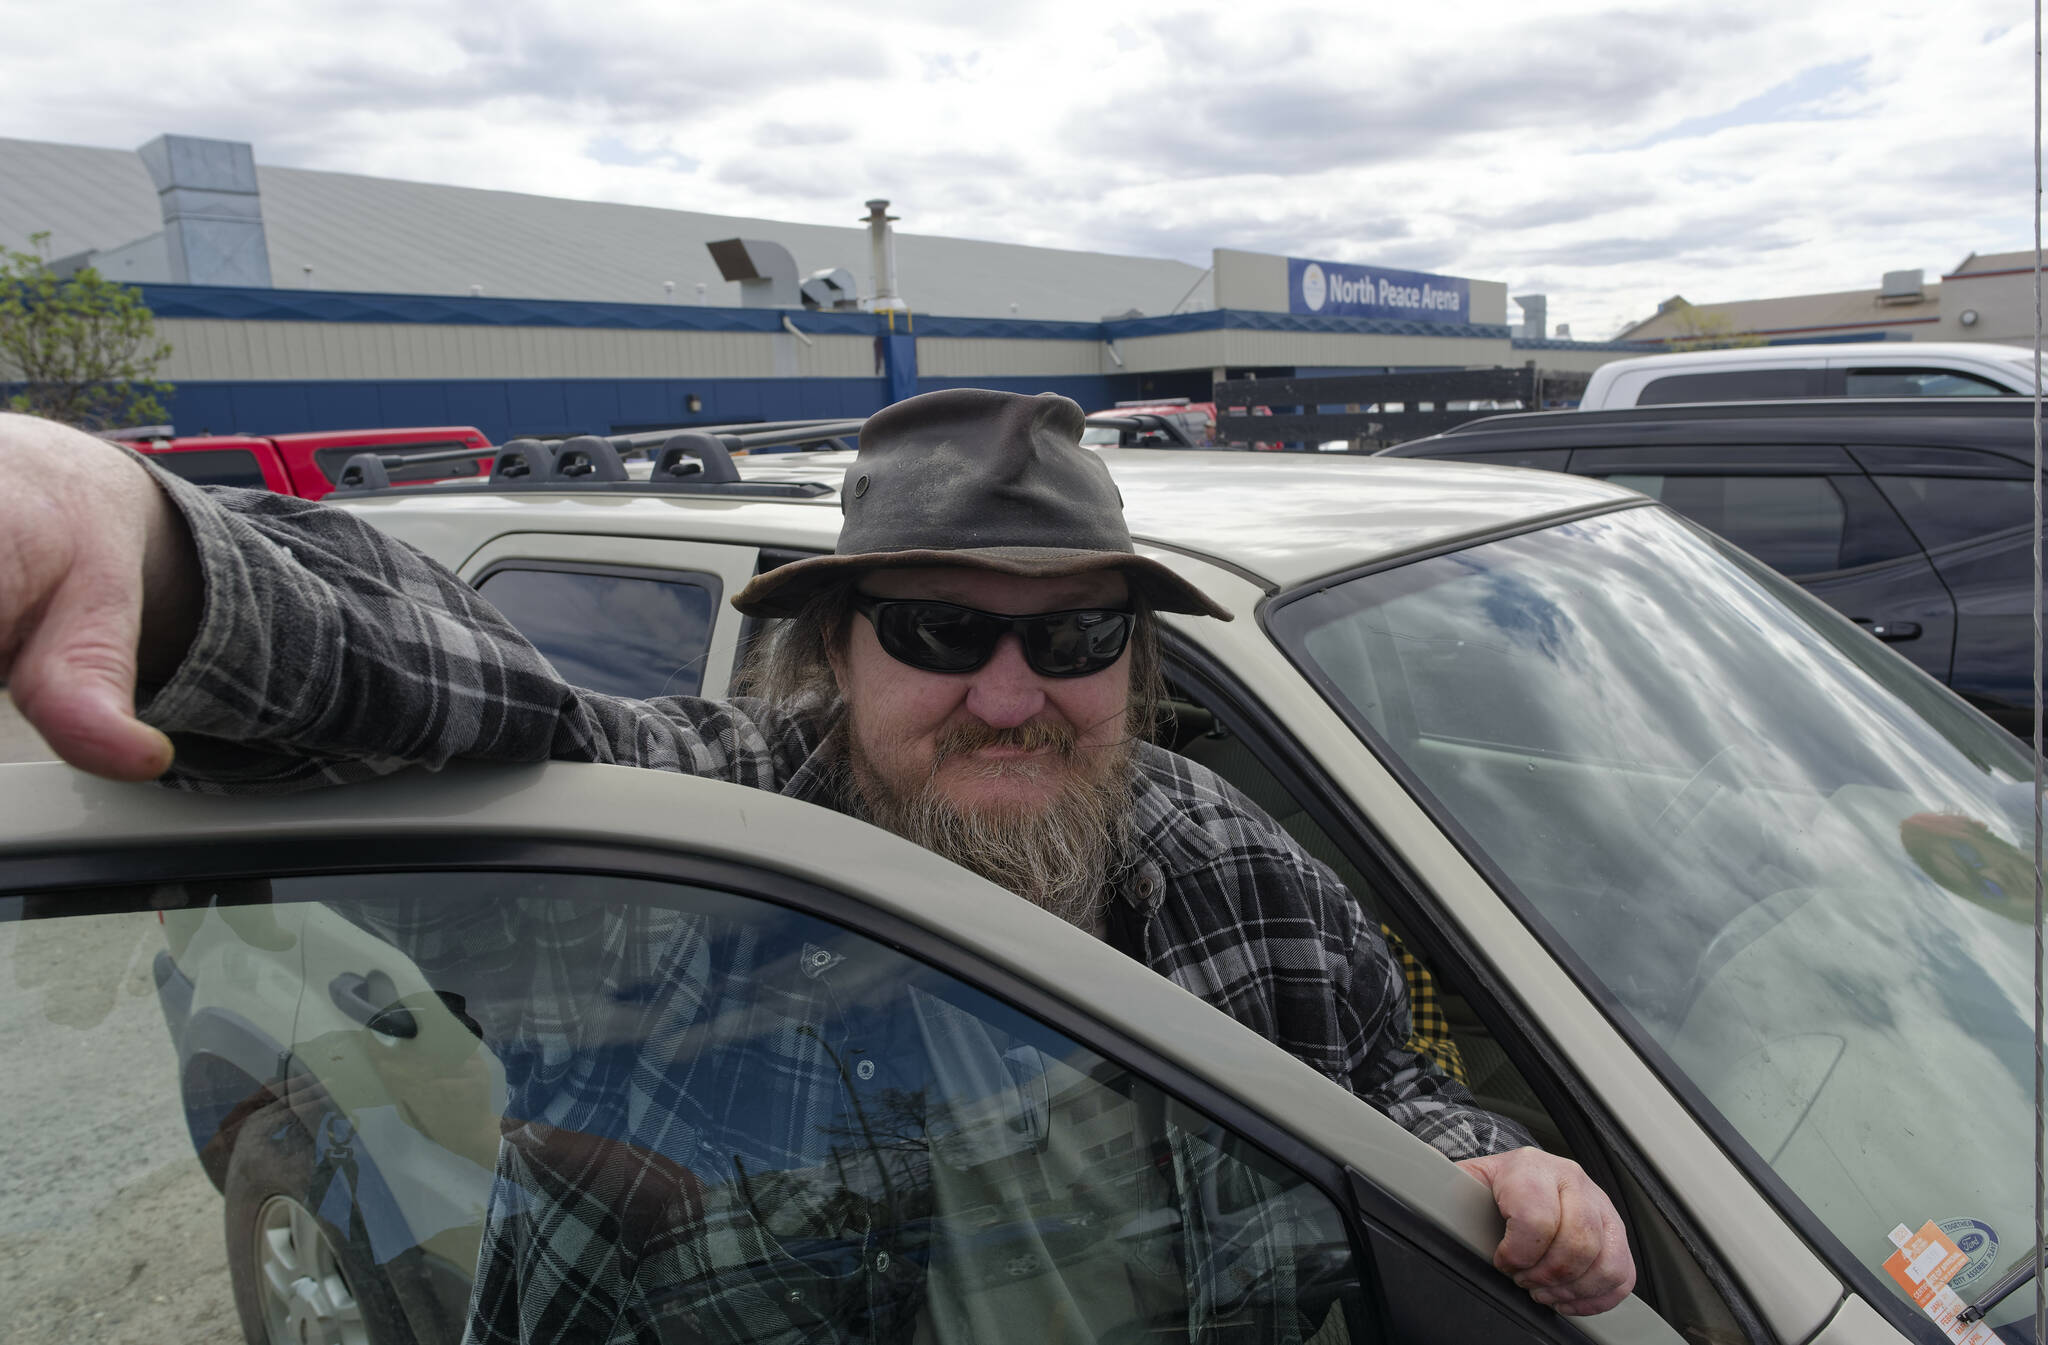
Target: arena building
(297,299)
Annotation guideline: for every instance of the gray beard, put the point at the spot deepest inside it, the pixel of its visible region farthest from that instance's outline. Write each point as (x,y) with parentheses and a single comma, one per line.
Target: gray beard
(1064,858)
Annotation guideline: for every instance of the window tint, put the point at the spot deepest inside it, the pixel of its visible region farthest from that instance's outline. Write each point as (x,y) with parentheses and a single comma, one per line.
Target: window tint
(1794,524)
(1919,383)
(1945,510)
(215,467)
(627,632)
(1742,385)
(628,1107)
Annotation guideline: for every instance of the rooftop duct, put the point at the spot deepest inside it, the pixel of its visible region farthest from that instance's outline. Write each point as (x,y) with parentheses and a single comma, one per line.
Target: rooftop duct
(213,216)
(1535,315)
(766,272)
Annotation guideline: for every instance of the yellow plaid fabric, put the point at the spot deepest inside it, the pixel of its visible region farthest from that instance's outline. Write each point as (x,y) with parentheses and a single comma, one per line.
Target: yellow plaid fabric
(1429,1031)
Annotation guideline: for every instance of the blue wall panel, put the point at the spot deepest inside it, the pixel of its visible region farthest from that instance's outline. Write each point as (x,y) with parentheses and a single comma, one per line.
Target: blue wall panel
(330,406)
(413,403)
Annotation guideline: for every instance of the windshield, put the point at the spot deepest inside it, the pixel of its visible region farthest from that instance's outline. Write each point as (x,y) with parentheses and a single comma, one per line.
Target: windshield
(1788,859)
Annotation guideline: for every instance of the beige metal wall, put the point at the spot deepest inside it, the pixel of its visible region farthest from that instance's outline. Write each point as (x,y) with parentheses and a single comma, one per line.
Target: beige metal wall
(1220,349)
(225,350)
(210,349)
(957,357)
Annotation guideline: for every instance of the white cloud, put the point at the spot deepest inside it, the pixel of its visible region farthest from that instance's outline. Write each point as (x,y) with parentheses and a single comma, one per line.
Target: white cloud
(1611,157)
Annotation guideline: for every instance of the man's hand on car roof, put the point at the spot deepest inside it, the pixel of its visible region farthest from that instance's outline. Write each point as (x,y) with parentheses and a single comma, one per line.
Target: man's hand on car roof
(83,531)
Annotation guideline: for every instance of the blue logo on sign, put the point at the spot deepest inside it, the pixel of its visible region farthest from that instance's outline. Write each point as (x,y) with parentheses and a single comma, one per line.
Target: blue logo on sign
(1338,289)
(1975,1239)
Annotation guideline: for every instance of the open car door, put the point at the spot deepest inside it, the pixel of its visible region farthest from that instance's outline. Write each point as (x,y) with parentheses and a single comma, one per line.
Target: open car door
(612,1054)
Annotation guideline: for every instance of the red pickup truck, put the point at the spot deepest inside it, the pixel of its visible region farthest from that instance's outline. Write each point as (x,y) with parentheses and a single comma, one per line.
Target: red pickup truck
(307,464)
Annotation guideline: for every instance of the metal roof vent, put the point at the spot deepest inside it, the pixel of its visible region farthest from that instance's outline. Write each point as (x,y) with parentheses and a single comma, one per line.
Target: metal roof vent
(1903,287)
(882,252)
(766,272)
(832,289)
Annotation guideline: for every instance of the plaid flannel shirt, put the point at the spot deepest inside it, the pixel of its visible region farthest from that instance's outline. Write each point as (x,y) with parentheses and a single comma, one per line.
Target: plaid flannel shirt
(328,652)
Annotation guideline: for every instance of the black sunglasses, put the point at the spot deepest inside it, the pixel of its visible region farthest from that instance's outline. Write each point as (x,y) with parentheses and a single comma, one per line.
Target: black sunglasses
(944,637)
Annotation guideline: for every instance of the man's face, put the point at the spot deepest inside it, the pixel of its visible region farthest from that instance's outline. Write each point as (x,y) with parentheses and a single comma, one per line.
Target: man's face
(985,741)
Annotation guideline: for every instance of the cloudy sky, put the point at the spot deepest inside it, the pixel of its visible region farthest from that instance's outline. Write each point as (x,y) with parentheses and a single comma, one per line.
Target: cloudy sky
(1607,156)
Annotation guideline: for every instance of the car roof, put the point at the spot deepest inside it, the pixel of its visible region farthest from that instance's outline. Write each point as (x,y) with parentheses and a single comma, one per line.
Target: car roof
(1813,353)
(1277,518)
(2001,424)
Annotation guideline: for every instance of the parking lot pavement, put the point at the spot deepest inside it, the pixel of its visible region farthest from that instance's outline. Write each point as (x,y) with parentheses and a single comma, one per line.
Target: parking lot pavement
(19,742)
(109,1230)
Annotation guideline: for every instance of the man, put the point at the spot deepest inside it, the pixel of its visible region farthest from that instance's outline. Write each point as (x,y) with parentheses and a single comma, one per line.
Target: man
(973,668)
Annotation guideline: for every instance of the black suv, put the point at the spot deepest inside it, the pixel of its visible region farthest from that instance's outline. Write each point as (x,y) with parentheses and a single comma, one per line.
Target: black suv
(1911,517)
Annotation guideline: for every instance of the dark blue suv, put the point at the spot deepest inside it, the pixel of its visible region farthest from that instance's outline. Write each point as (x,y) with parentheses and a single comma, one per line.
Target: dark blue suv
(1912,517)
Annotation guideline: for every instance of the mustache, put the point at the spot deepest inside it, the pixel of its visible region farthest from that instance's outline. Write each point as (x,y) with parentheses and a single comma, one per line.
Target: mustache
(973,735)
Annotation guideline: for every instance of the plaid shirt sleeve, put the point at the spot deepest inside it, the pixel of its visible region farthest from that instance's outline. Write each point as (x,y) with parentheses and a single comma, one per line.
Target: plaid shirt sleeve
(329,652)
(1246,919)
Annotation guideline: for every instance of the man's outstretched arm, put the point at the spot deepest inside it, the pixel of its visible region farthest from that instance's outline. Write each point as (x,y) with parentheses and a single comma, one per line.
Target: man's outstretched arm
(283,644)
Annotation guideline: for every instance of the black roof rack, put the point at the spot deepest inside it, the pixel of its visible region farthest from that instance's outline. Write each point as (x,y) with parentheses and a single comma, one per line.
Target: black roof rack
(1166,427)
(1816,408)
(686,462)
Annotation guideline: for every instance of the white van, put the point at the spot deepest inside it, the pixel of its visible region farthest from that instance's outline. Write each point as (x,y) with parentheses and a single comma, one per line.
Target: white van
(1770,373)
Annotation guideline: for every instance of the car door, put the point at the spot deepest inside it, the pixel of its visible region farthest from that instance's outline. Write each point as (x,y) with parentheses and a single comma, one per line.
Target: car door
(1974,513)
(755,1070)
(1809,512)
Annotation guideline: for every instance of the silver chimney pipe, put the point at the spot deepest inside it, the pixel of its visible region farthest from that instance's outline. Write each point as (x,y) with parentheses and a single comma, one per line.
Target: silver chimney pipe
(882,244)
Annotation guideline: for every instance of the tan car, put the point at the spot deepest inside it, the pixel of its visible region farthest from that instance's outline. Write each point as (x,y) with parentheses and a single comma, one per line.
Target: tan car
(1717,893)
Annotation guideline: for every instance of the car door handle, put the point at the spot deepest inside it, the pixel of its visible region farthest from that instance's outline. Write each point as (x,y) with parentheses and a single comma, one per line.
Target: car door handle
(1891,632)
(371,1001)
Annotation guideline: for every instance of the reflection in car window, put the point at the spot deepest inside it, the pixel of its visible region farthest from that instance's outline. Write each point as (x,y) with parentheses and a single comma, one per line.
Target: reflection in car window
(215,467)
(633,1109)
(1794,524)
(1919,383)
(1945,510)
(639,633)
(1788,859)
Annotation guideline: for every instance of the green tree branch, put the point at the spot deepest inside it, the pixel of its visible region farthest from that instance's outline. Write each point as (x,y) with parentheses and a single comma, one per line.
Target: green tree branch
(83,349)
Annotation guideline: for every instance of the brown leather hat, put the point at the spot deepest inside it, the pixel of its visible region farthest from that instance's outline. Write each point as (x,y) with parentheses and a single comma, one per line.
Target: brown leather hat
(990,480)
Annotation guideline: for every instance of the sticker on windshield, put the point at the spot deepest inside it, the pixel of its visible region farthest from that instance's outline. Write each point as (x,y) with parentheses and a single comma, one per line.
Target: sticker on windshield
(1924,1265)
(1977,1240)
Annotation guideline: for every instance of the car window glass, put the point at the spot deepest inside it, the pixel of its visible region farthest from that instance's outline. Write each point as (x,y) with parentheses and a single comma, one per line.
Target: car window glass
(1788,862)
(1741,385)
(636,1107)
(1918,383)
(641,633)
(1945,510)
(215,467)
(1795,524)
